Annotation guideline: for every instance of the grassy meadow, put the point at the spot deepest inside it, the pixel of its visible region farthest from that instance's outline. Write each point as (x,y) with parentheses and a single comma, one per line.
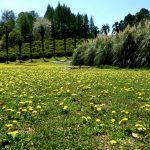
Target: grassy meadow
(44,106)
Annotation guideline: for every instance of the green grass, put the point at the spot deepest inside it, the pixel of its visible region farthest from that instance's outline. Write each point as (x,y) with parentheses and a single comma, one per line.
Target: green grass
(44,106)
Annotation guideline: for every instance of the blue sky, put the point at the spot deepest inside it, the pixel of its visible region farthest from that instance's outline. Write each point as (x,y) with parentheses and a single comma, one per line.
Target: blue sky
(102,11)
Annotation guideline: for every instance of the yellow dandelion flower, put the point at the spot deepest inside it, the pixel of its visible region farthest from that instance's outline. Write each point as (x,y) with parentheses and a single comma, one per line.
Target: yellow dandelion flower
(74,94)
(125,111)
(99,109)
(113,120)
(14,121)
(38,107)
(65,107)
(88,117)
(18,112)
(102,105)
(34,112)
(98,120)
(13,133)
(61,103)
(9,125)
(113,142)
(24,110)
(123,120)
(113,112)
(3,107)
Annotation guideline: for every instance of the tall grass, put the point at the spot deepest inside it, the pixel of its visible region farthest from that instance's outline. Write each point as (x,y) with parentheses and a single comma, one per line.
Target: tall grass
(130,48)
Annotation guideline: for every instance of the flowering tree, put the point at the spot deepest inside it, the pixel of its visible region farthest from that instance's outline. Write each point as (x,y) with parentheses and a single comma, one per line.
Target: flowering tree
(42,28)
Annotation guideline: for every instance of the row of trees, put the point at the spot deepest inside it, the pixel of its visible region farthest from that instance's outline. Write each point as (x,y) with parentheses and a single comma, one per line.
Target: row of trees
(58,23)
(75,25)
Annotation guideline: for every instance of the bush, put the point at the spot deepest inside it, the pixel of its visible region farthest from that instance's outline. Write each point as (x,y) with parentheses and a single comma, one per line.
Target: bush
(23,57)
(130,48)
(2,59)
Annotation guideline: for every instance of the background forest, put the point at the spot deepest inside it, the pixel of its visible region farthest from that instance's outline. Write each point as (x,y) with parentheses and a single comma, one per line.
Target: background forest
(60,32)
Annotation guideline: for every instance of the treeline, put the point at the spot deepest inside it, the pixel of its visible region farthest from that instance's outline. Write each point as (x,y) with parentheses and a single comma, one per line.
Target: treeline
(57,24)
(76,25)
(131,20)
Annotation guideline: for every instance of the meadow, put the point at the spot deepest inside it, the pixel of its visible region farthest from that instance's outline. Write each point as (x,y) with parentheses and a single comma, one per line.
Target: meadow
(44,106)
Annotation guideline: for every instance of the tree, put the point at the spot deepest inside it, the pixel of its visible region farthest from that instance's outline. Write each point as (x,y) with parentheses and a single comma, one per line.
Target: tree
(53,34)
(91,27)
(30,45)
(95,31)
(85,26)
(14,36)
(42,28)
(129,20)
(50,13)
(64,32)
(105,29)
(142,14)
(20,49)
(116,27)
(79,23)
(24,25)
(74,29)
(8,19)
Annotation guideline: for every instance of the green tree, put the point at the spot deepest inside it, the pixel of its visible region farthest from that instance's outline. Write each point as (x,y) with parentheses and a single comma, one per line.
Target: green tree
(64,33)
(85,26)
(24,24)
(129,20)
(95,31)
(142,14)
(91,27)
(8,19)
(14,36)
(105,29)
(42,28)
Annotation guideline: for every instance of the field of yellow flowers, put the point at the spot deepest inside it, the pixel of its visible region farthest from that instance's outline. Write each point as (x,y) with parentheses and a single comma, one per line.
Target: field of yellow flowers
(45,106)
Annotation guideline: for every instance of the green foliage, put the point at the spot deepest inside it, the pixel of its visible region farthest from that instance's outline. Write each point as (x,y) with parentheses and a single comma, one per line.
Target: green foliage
(129,48)
(44,106)
(37,49)
(24,24)
(62,15)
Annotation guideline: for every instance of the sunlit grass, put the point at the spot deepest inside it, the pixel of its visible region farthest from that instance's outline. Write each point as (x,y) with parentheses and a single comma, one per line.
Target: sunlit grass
(44,106)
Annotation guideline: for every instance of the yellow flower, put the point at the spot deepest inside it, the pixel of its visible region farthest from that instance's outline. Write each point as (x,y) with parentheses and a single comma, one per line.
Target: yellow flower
(34,111)
(74,94)
(125,112)
(99,109)
(13,133)
(38,107)
(61,103)
(138,125)
(113,112)
(30,108)
(102,105)
(9,125)
(24,110)
(3,107)
(113,142)
(88,117)
(98,120)
(123,120)
(113,120)
(18,112)
(65,108)
(14,121)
